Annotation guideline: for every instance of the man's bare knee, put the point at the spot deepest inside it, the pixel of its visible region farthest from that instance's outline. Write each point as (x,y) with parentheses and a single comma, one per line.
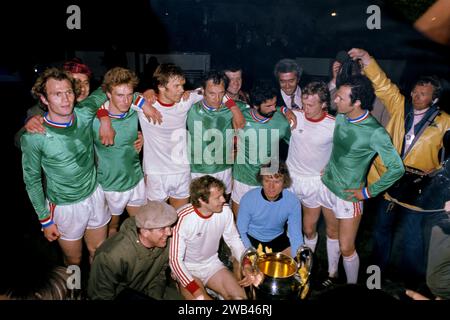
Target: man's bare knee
(310,232)
(72,260)
(347,250)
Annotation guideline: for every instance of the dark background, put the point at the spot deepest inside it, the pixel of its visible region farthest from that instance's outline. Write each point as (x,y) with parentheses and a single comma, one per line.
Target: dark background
(256,33)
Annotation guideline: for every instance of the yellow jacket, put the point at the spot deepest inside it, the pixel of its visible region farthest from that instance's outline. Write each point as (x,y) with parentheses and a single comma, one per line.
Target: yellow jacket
(424,155)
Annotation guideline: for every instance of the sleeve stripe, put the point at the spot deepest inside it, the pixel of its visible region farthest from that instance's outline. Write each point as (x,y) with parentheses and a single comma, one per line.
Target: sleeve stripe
(175,264)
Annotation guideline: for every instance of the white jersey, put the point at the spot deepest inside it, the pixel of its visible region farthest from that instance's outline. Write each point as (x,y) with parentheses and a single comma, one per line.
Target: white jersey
(196,238)
(310,145)
(165,144)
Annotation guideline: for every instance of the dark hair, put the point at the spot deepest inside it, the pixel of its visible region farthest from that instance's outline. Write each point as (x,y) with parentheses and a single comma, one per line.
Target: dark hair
(164,72)
(287,65)
(261,93)
(200,188)
(320,88)
(282,171)
(434,82)
(216,76)
(349,68)
(232,67)
(362,90)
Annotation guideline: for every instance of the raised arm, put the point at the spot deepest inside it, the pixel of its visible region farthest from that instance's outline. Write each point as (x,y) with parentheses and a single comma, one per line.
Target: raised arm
(385,90)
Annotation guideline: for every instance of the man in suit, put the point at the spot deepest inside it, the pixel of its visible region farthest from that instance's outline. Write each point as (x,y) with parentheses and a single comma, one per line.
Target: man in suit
(288,73)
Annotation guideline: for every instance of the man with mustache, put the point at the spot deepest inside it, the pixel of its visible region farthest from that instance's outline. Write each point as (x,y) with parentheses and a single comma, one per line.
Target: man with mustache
(258,143)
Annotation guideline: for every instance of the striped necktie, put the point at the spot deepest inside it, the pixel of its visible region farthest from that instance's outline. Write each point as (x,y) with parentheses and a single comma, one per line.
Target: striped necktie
(294,106)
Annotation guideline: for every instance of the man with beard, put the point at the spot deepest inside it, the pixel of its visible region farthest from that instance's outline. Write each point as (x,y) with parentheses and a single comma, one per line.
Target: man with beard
(258,142)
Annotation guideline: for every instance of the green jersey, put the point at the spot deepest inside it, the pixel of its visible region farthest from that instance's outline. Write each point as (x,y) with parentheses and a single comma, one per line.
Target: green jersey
(118,166)
(258,144)
(66,155)
(210,141)
(355,143)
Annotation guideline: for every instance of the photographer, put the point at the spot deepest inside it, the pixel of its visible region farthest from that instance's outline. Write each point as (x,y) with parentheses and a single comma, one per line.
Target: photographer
(417,129)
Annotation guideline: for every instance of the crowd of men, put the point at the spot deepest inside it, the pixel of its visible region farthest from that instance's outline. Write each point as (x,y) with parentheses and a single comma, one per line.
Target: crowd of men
(220,165)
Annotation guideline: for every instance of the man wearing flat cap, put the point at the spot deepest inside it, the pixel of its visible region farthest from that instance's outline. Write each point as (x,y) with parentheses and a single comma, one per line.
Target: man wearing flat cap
(136,259)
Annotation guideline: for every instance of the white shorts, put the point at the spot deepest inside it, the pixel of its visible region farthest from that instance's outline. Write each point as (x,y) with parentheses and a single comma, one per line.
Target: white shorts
(135,197)
(72,220)
(342,209)
(239,189)
(206,269)
(307,190)
(224,176)
(159,187)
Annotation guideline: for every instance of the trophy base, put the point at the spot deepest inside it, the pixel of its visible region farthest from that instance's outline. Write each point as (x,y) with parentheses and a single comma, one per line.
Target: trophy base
(261,295)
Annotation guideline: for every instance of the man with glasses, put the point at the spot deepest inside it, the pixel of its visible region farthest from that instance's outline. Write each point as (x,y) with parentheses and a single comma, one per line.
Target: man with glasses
(133,263)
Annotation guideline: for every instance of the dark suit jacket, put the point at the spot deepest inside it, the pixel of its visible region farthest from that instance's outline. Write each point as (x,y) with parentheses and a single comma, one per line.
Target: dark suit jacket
(280,101)
(284,147)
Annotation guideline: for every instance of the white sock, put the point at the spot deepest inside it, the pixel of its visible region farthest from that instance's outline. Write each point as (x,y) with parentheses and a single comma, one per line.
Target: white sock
(333,253)
(311,243)
(351,266)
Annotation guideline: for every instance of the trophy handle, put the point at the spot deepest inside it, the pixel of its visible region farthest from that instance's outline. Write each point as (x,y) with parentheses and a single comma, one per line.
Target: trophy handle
(304,268)
(252,255)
